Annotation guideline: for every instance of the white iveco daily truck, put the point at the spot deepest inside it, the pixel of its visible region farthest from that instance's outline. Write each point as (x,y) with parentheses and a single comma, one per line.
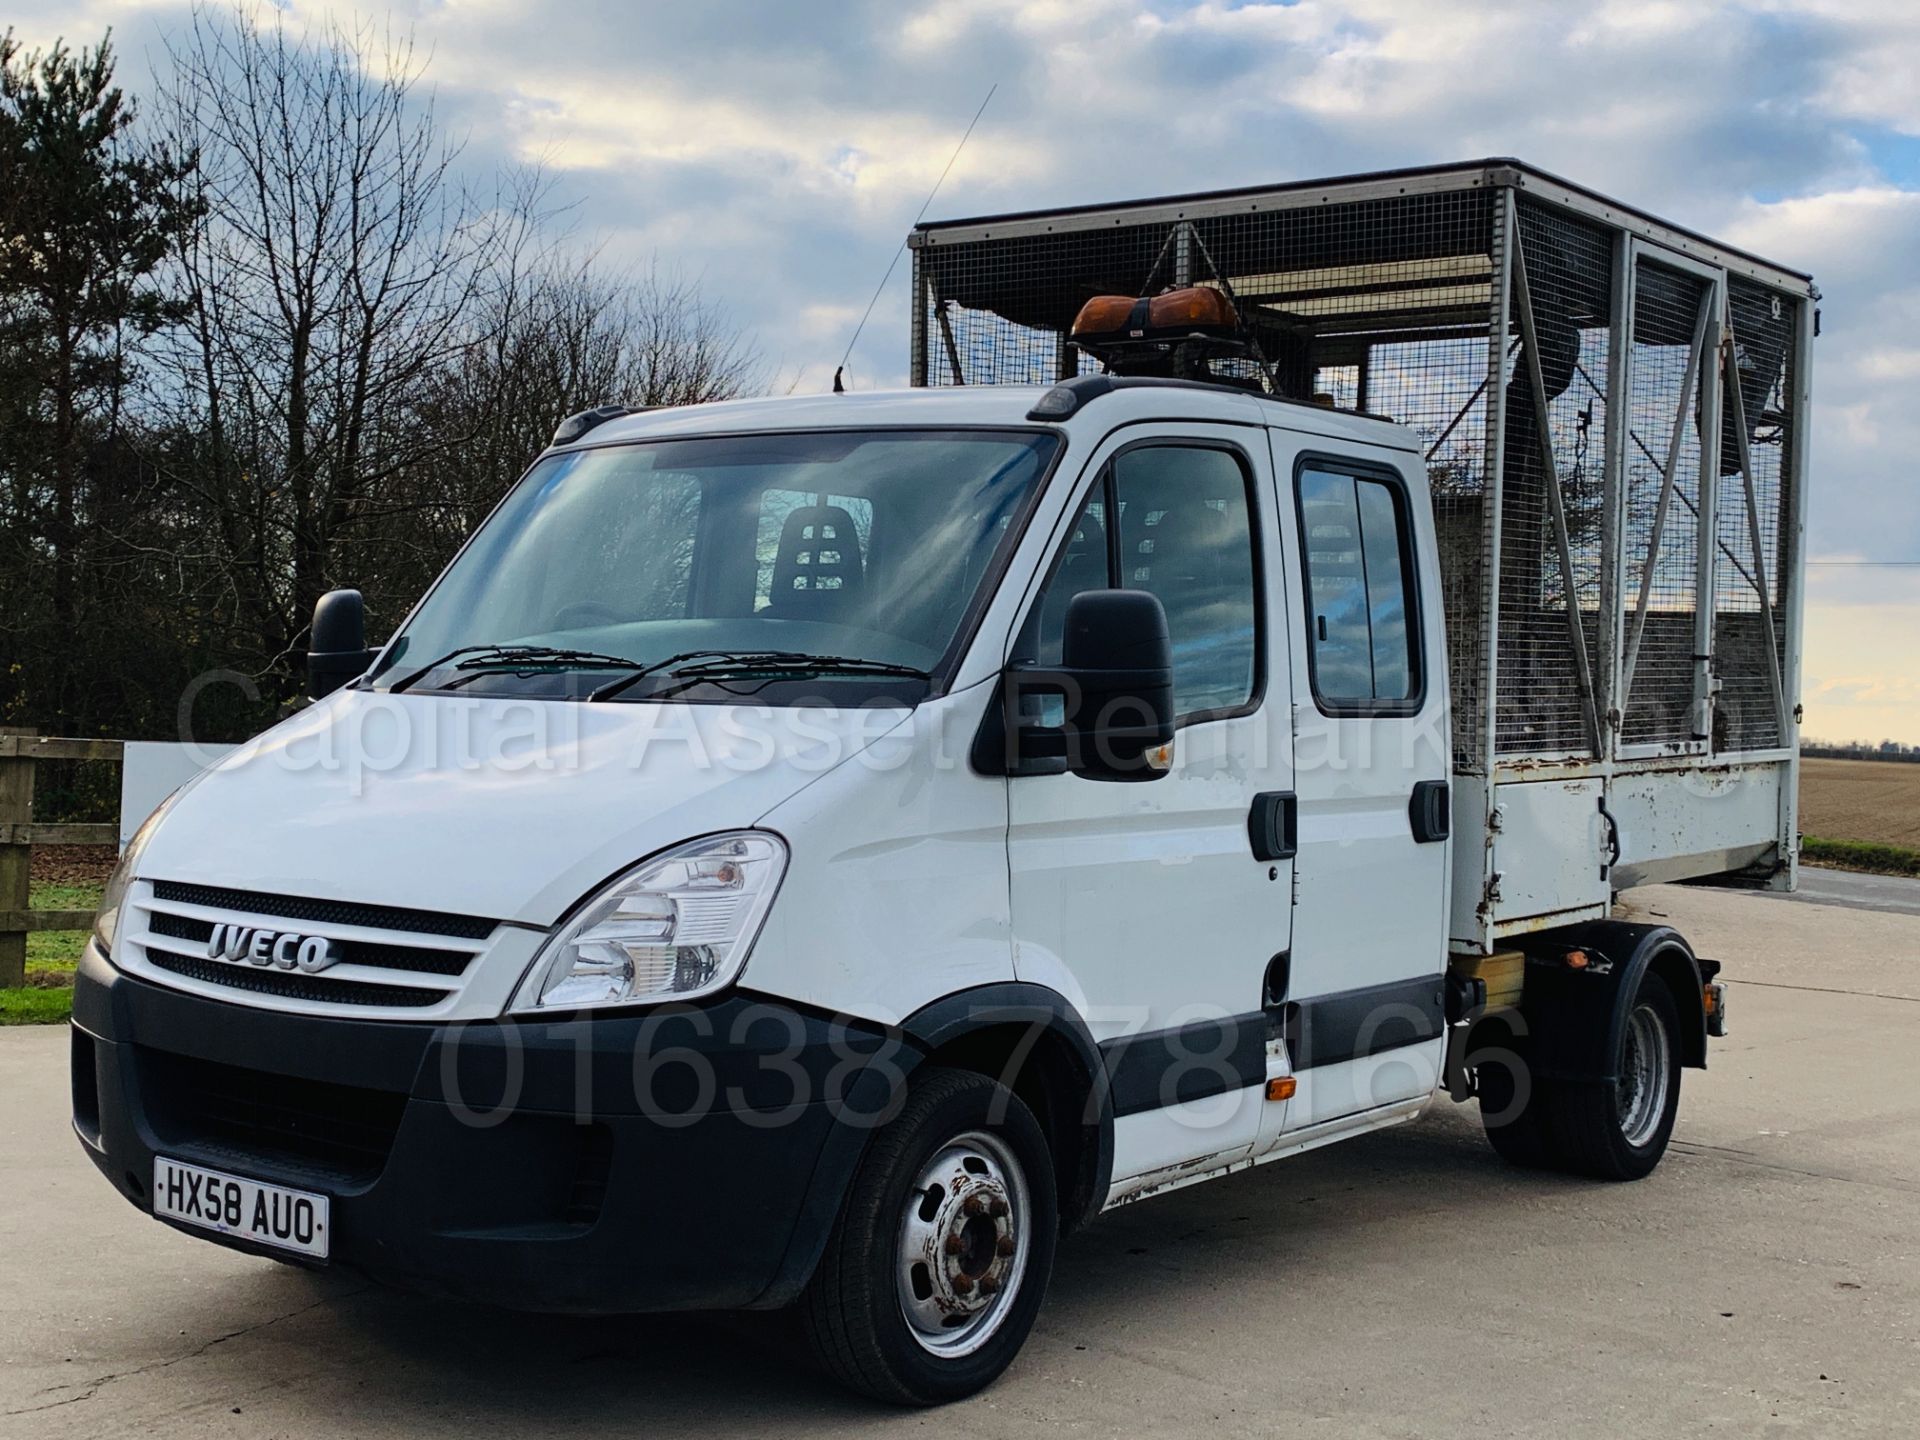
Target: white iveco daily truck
(817,852)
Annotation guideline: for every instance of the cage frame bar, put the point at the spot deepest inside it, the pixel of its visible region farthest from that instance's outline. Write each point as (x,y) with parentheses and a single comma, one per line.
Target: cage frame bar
(1613,575)
(917,326)
(1504,232)
(1707,544)
(946,337)
(1556,501)
(1744,448)
(1669,469)
(1793,580)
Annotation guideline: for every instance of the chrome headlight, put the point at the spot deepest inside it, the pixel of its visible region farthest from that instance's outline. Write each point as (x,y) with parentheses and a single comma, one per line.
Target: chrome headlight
(675,927)
(106,920)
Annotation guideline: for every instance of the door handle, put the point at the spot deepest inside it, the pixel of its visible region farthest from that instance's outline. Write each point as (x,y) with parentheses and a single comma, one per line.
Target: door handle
(1273,825)
(1430,811)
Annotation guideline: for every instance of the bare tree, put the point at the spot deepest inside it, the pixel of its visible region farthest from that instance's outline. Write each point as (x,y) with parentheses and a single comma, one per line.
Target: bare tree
(314,356)
(337,271)
(561,335)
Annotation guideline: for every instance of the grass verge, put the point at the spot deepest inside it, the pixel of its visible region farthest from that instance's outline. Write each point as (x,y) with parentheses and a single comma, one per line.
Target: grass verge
(1867,855)
(47,997)
(36,1005)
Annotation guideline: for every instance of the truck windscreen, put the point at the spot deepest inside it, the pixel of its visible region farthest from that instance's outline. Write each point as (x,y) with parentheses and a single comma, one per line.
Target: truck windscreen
(825,553)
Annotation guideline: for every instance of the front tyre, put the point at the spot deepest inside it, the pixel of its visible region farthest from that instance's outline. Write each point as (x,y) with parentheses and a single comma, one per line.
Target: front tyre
(942,1252)
(1619,1131)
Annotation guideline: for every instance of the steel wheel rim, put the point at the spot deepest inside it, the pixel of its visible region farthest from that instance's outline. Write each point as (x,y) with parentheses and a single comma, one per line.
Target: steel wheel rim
(963,1244)
(1645,1075)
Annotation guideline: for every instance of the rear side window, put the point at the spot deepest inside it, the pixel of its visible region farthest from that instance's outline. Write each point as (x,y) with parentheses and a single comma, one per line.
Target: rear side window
(1363,638)
(1172,520)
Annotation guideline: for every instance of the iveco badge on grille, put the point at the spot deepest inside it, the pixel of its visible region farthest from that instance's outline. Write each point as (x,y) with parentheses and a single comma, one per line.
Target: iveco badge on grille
(246,944)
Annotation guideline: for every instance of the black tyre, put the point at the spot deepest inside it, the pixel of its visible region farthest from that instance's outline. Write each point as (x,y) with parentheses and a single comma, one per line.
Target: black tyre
(942,1252)
(1619,1131)
(1515,1111)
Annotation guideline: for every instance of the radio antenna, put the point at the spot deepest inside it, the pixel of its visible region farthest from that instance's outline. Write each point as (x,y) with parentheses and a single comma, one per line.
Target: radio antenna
(840,370)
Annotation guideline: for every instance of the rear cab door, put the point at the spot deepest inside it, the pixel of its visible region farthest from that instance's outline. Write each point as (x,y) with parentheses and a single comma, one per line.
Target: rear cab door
(1363,1012)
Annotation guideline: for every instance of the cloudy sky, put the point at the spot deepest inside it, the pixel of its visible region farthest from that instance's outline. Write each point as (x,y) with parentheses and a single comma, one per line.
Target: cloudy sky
(779,151)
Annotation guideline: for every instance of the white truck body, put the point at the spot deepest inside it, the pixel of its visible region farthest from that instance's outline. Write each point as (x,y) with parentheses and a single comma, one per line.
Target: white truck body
(815,851)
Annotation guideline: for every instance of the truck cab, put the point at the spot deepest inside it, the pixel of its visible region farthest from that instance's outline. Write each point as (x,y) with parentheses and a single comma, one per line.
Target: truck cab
(817,852)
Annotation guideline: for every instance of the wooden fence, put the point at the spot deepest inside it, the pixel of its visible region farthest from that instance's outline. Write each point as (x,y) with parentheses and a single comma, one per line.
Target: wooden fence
(20,752)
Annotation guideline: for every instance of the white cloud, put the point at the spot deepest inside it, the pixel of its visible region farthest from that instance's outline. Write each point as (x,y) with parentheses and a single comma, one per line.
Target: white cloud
(1862,672)
(781,150)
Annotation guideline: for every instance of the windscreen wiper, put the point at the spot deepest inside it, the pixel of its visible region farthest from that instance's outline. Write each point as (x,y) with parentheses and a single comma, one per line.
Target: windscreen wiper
(691,668)
(532,658)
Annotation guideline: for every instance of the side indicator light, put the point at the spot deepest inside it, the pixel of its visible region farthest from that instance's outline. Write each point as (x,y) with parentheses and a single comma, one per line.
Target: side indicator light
(1283,1088)
(1577,959)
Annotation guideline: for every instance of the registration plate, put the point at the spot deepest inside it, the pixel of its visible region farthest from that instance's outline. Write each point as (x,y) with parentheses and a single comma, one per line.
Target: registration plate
(232,1205)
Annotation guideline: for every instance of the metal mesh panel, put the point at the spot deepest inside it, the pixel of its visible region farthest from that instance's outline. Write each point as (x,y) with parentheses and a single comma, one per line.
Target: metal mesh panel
(1747,717)
(1569,267)
(1661,524)
(1439,388)
(1382,305)
(966,346)
(1386,304)
(1338,385)
(1317,282)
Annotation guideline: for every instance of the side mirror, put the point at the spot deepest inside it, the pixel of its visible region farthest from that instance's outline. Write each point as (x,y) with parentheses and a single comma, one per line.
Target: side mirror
(1104,711)
(337,648)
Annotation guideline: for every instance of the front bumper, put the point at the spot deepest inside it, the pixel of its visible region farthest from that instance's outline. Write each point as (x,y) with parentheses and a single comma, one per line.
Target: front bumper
(684,1160)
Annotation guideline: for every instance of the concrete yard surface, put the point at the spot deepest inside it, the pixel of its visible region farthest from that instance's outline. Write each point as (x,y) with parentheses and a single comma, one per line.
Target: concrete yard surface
(1766,1280)
(1862,892)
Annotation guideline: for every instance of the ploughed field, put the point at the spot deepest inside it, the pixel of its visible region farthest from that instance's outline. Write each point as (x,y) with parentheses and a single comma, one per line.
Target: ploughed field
(1871,800)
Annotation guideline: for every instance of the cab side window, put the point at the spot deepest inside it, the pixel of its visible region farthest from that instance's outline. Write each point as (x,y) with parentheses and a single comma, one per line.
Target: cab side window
(1363,639)
(1173,520)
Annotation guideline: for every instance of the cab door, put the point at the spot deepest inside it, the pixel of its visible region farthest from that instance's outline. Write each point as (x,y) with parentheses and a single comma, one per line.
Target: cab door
(1364,1005)
(1150,904)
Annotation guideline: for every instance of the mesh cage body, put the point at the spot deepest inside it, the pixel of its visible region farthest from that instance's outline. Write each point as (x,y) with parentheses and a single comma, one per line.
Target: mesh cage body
(1397,295)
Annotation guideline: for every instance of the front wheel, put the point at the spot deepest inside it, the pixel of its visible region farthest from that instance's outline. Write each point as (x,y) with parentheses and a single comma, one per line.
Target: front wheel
(941,1255)
(1619,1131)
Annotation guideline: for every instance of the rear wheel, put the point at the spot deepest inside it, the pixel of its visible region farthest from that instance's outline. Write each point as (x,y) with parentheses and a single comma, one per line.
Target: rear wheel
(941,1256)
(1619,1130)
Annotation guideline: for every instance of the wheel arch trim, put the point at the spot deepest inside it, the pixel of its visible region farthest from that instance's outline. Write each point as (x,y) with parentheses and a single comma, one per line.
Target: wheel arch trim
(948,1022)
(1559,1001)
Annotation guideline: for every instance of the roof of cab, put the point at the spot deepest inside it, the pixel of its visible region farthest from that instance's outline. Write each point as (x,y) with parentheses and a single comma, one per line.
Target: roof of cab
(996,405)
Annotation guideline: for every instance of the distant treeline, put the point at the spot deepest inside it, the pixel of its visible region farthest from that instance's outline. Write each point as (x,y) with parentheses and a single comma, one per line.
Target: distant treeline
(1886,750)
(266,336)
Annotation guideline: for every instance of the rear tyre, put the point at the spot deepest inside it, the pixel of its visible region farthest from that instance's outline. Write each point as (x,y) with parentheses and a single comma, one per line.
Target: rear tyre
(938,1263)
(1619,1130)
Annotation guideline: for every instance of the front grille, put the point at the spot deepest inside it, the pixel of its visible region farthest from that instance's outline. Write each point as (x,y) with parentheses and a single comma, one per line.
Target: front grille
(353,952)
(326,912)
(382,956)
(202,1104)
(290,984)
